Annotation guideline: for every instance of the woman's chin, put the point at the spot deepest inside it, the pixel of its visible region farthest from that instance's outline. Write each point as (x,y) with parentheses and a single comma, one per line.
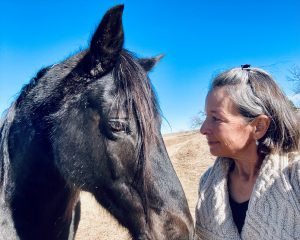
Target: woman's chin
(214,150)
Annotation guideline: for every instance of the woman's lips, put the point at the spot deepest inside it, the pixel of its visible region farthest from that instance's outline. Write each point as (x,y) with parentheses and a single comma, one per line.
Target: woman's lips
(210,142)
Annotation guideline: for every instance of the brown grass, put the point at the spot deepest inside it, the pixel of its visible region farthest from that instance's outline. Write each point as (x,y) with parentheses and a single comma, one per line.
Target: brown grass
(190,157)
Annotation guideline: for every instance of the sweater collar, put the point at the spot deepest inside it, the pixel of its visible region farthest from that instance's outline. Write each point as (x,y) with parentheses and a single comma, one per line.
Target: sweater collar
(270,170)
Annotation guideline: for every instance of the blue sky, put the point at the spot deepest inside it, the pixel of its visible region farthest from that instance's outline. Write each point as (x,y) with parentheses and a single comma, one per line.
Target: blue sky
(199,38)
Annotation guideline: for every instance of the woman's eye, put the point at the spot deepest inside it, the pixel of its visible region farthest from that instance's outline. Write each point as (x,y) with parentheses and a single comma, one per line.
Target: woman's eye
(215,119)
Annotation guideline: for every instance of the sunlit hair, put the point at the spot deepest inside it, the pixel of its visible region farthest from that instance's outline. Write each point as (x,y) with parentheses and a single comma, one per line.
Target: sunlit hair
(255,93)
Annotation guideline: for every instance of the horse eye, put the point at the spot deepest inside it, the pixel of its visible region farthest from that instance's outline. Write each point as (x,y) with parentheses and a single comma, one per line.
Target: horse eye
(118,126)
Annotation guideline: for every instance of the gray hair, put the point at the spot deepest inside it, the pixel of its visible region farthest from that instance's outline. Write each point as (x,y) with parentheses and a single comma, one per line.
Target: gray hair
(255,93)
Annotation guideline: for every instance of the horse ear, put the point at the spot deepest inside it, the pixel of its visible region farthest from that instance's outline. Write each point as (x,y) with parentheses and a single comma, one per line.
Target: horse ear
(148,63)
(107,41)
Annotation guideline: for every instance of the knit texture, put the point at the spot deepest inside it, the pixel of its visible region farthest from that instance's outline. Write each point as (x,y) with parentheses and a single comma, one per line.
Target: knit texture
(274,206)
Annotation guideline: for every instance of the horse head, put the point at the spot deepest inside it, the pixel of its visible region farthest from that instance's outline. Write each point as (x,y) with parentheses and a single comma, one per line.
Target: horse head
(101,116)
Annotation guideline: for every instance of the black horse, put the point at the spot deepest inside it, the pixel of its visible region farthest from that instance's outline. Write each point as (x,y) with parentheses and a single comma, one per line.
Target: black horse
(89,123)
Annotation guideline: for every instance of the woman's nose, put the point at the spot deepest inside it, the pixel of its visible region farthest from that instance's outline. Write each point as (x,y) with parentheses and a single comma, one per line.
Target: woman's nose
(204,128)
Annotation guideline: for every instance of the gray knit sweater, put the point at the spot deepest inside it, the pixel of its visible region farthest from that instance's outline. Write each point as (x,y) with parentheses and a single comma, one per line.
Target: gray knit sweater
(274,206)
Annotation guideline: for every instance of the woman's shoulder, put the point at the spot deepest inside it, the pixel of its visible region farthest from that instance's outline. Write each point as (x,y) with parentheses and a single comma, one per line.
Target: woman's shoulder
(294,165)
(294,161)
(217,171)
(294,172)
(205,176)
(203,179)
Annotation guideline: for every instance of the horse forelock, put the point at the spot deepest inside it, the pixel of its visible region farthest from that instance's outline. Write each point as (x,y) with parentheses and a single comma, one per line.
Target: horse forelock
(134,85)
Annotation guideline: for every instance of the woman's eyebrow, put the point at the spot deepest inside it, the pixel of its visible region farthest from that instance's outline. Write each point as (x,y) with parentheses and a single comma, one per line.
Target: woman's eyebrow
(216,111)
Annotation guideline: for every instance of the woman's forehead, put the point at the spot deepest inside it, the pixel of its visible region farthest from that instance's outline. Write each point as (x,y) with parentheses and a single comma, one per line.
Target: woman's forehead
(218,100)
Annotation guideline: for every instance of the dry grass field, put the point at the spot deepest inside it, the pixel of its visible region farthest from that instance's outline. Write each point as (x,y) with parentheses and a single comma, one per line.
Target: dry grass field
(190,157)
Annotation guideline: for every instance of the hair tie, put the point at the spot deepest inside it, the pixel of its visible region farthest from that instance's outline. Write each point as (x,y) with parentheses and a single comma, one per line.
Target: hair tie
(246,66)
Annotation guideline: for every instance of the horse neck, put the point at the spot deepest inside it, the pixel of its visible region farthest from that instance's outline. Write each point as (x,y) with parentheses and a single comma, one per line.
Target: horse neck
(30,182)
(4,149)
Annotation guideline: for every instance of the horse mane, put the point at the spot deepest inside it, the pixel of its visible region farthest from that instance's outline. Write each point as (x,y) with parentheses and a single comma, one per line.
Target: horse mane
(32,83)
(5,124)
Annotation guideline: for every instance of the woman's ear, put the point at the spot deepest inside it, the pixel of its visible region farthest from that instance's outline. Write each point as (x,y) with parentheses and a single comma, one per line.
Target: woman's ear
(261,124)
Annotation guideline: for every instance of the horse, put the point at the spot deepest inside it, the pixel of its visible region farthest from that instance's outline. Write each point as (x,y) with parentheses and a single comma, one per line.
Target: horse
(91,122)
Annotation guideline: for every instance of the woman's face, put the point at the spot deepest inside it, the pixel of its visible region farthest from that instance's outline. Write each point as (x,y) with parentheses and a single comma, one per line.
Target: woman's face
(227,132)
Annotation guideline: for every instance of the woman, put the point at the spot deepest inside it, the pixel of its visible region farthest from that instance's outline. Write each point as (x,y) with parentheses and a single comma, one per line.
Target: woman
(253,189)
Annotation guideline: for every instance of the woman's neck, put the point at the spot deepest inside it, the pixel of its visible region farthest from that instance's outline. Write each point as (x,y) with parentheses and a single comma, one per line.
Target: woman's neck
(242,177)
(247,170)
(247,164)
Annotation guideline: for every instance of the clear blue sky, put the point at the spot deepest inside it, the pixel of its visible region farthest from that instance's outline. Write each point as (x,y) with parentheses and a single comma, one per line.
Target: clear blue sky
(199,38)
